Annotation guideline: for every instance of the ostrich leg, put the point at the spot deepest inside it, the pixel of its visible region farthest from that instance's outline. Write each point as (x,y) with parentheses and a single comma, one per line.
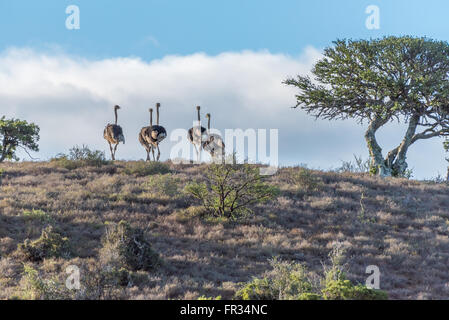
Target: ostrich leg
(152,150)
(158,153)
(115,149)
(112,153)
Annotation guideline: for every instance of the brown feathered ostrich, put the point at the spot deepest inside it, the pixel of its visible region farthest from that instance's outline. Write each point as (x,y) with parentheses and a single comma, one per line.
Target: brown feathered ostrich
(197,135)
(151,136)
(143,137)
(113,134)
(214,144)
(158,133)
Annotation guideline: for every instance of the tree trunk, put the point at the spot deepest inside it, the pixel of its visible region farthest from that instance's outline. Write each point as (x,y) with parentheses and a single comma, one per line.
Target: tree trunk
(375,151)
(395,163)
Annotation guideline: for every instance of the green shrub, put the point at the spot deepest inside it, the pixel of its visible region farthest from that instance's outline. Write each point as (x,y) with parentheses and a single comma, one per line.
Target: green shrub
(230,190)
(80,157)
(344,290)
(127,247)
(40,215)
(36,288)
(142,169)
(304,180)
(50,244)
(209,298)
(291,281)
(257,289)
(287,281)
(163,185)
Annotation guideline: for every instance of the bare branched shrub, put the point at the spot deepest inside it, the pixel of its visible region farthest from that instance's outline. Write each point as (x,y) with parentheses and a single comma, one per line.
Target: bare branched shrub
(127,247)
(230,190)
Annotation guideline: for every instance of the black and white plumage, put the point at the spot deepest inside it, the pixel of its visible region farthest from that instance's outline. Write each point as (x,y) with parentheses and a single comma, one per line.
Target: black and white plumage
(153,135)
(113,134)
(144,132)
(214,144)
(197,135)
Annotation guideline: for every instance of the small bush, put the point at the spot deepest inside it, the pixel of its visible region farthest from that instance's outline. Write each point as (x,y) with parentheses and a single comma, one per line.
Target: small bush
(81,157)
(343,289)
(126,247)
(230,190)
(142,169)
(304,180)
(40,215)
(291,281)
(357,166)
(37,288)
(50,244)
(287,281)
(163,185)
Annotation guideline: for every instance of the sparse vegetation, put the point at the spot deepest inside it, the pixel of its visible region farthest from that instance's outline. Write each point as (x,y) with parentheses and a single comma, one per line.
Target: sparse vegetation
(81,157)
(230,190)
(142,169)
(304,180)
(406,235)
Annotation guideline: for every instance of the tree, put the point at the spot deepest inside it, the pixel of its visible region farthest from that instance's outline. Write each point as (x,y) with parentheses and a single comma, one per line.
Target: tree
(378,81)
(230,190)
(16,133)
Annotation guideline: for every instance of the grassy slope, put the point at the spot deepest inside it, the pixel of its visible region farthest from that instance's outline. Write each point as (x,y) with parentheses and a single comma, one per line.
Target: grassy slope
(403,229)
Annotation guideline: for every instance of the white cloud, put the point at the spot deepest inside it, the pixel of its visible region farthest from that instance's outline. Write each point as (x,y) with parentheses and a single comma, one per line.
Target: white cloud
(71,99)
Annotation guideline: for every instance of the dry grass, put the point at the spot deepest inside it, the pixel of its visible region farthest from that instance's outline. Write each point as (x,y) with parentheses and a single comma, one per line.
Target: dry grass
(400,225)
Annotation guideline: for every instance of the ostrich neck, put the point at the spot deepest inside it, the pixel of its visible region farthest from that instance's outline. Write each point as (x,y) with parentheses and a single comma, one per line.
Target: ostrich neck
(208,124)
(151,118)
(157,115)
(199,120)
(115,112)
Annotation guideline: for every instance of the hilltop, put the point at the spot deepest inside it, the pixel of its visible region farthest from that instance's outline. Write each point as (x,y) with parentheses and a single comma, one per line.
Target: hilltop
(399,225)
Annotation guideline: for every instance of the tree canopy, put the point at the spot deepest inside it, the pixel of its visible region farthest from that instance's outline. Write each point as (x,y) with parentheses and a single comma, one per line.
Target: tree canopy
(378,81)
(16,133)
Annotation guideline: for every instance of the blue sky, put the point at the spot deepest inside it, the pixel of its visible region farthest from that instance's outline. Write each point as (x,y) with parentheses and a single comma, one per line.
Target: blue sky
(230,56)
(122,28)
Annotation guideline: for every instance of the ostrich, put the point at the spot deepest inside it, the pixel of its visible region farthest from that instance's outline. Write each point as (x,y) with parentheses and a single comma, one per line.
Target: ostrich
(214,144)
(153,135)
(143,137)
(157,133)
(197,135)
(113,134)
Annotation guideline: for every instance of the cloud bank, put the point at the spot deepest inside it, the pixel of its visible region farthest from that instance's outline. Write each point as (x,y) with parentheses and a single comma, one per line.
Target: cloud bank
(72,99)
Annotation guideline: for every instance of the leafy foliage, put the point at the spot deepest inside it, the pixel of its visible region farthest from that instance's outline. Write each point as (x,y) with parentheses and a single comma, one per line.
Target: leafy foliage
(16,133)
(393,78)
(50,244)
(230,190)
